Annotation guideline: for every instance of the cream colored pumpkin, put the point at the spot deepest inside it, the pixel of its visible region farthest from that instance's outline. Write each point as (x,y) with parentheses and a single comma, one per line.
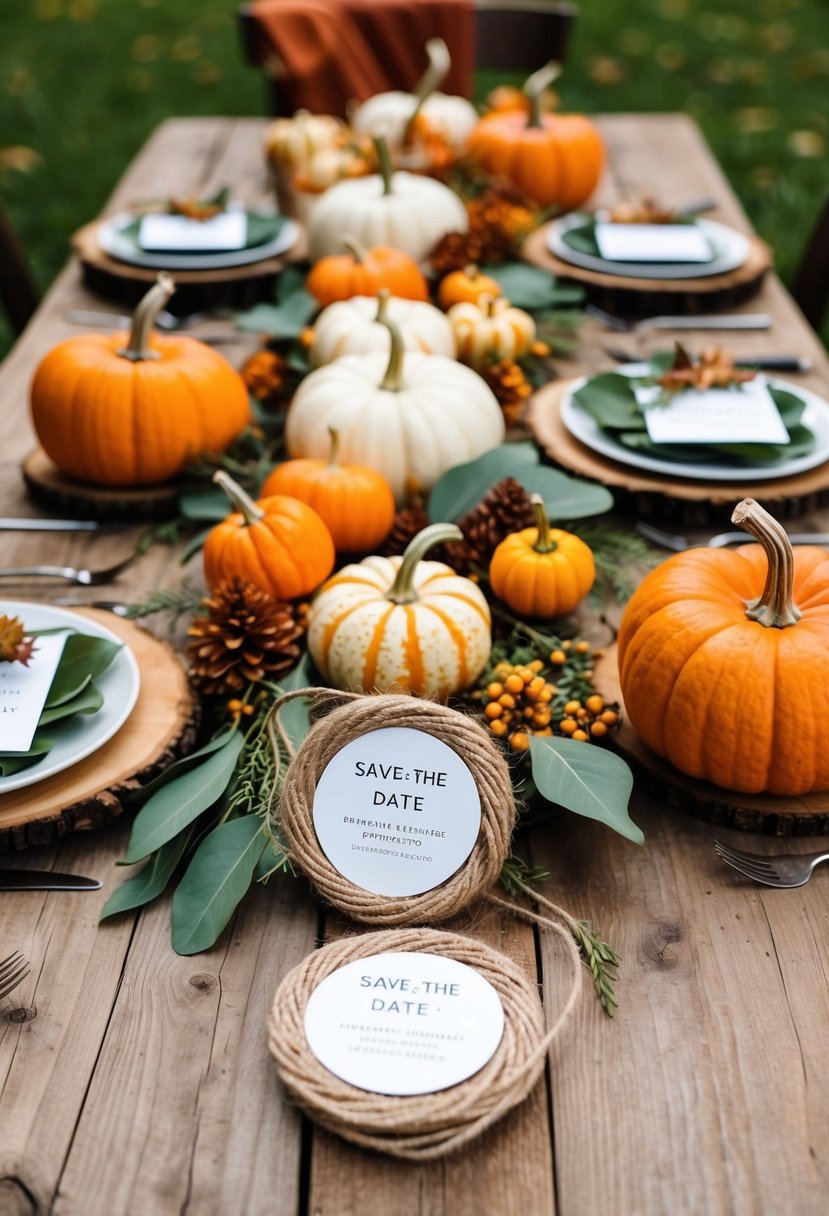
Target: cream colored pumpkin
(327,166)
(404,210)
(355,327)
(291,142)
(401,624)
(491,330)
(410,418)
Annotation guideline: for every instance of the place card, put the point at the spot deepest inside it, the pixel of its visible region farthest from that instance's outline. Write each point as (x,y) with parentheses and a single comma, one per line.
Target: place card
(746,414)
(397,811)
(652,243)
(404,1023)
(23,692)
(177,233)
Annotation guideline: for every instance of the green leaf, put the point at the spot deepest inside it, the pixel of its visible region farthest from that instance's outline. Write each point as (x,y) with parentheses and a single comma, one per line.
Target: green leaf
(204,502)
(181,801)
(13,762)
(177,769)
(84,658)
(216,880)
(295,717)
(88,701)
(463,486)
(791,407)
(610,399)
(565,497)
(194,546)
(150,880)
(530,287)
(586,779)
(287,319)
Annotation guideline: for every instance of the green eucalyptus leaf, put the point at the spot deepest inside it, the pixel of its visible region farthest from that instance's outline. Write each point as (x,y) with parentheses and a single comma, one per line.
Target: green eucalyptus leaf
(176,769)
(531,288)
(194,546)
(295,717)
(791,407)
(565,497)
(204,502)
(287,319)
(88,701)
(84,658)
(463,486)
(217,878)
(182,800)
(150,880)
(13,762)
(610,399)
(585,779)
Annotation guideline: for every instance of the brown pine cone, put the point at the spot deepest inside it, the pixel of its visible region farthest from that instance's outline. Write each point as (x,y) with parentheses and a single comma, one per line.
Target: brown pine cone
(504,509)
(407,523)
(245,636)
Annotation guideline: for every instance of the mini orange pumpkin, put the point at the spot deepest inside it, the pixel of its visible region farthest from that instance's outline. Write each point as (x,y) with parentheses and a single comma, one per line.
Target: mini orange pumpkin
(278,543)
(542,571)
(355,502)
(466,287)
(552,158)
(723,661)
(131,410)
(363,272)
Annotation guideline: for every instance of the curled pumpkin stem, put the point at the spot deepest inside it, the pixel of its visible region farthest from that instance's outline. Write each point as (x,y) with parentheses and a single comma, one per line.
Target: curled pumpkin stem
(402,589)
(775,608)
(535,85)
(242,501)
(437,69)
(144,318)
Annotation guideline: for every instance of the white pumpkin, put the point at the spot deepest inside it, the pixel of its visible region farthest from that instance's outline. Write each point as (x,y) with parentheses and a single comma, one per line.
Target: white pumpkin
(291,142)
(401,624)
(404,210)
(355,327)
(389,114)
(411,417)
(490,330)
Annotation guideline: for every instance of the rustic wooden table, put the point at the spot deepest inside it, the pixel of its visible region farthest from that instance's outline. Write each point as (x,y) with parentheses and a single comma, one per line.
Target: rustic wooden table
(136,1081)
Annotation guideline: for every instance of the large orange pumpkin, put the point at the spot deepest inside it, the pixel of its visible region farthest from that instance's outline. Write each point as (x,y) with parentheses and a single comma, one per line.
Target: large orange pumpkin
(724,662)
(125,410)
(552,158)
(364,272)
(278,543)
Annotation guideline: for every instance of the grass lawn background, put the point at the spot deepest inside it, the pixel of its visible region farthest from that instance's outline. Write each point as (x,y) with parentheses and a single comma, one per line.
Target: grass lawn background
(84,82)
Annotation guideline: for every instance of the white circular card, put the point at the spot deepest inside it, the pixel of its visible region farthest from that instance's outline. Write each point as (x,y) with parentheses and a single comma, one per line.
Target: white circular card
(403,1023)
(397,811)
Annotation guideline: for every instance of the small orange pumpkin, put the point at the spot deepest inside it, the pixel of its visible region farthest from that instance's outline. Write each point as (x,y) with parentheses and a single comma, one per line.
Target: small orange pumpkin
(364,272)
(542,571)
(278,543)
(355,502)
(552,158)
(723,661)
(466,287)
(127,410)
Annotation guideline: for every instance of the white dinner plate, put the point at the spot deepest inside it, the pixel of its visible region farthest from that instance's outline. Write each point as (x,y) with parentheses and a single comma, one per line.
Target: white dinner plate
(114,241)
(583,426)
(731,249)
(85,733)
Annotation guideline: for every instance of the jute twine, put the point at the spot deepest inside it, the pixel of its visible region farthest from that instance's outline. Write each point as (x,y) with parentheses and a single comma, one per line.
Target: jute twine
(359,715)
(427,1126)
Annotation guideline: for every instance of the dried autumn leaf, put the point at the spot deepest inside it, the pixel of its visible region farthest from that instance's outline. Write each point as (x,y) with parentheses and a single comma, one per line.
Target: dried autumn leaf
(713,369)
(15,647)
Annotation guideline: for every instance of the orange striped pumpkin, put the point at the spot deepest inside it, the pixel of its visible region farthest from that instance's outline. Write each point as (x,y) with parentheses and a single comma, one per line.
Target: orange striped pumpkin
(401,623)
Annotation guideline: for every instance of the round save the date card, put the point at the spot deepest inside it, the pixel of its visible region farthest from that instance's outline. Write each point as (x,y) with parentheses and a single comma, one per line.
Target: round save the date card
(397,811)
(404,1023)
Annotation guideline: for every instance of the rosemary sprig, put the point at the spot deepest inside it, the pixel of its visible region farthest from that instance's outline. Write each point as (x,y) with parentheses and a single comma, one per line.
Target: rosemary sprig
(187,598)
(516,876)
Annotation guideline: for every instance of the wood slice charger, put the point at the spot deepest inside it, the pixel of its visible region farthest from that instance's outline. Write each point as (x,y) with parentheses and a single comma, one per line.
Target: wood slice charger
(56,491)
(772,814)
(660,497)
(160,729)
(637,297)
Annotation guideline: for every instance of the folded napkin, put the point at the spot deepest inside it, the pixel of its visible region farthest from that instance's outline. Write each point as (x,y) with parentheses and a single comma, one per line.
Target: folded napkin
(328,52)
(260,230)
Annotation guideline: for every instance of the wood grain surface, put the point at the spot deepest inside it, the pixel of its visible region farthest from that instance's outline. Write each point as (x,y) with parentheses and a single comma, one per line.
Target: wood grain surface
(135,1081)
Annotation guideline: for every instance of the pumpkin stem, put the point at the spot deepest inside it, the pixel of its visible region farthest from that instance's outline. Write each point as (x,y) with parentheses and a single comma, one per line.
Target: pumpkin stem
(439,64)
(250,511)
(392,382)
(487,305)
(402,590)
(543,543)
(356,248)
(471,271)
(775,608)
(382,306)
(335,447)
(535,85)
(383,161)
(144,317)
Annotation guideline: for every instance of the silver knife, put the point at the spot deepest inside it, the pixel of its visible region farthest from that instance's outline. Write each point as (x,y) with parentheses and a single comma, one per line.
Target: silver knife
(45,880)
(12,524)
(722,539)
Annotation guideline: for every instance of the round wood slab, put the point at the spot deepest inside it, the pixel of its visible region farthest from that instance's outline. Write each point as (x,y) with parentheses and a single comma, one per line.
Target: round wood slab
(649,297)
(232,287)
(161,727)
(807,815)
(51,488)
(660,497)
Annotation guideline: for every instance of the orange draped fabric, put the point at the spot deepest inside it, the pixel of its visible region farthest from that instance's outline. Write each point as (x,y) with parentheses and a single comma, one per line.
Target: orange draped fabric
(330,51)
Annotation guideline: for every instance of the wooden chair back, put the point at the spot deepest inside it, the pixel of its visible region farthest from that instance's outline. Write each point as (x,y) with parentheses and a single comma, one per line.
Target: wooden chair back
(810,284)
(17,287)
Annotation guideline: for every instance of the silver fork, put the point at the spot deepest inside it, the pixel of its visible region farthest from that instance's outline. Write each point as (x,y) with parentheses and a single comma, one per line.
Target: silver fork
(13,971)
(777,870)
(743,320)
(84,578)
(678,544)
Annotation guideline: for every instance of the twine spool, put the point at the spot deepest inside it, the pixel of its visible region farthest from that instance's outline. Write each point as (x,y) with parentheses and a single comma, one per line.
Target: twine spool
(360,715)
(427,1126)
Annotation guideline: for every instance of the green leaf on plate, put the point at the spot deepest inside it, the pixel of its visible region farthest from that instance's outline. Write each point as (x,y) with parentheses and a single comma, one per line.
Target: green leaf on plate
(150,880)
(586,779)
(610,399)
(532,288)
(84,658)
(88,701)
(791,407)
(217,878)
(564,497)
(13,762)
(204,503)
(463,486)
(182,800)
